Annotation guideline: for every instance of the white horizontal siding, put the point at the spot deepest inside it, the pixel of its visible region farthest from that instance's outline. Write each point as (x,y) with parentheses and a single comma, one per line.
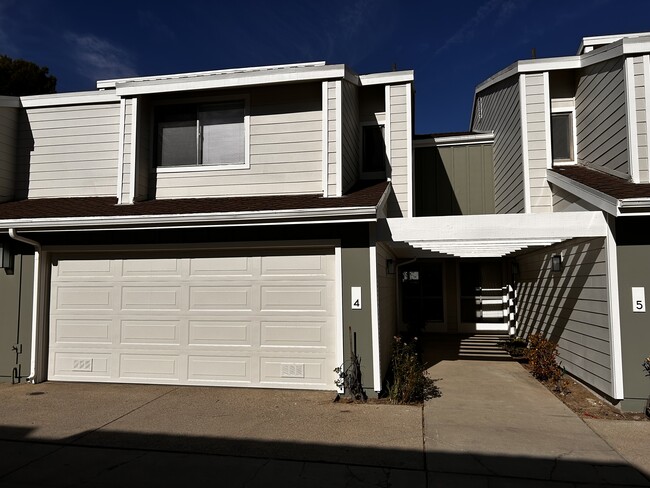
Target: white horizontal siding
(641,118)
(399,130)
(69,151)
(498,110)
(285,151)
(331,139)
(570,307)
(536,114)
(601,118)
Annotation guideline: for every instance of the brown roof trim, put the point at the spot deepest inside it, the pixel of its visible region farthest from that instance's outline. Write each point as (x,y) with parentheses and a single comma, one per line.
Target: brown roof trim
(605,183)
(44,208)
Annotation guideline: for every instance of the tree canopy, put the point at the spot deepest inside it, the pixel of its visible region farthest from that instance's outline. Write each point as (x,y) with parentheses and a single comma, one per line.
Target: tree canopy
(19,77)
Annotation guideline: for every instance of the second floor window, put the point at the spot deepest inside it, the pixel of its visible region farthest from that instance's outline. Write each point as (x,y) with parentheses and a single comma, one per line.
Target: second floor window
(562,137)
(206,134)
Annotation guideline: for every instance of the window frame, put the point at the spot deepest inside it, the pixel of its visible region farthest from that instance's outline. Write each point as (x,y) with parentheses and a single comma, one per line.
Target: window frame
(561,106)
(372,175)
(197,103)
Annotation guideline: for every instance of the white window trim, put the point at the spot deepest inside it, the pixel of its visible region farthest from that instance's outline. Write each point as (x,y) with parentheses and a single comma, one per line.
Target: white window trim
(564,106)
(210,167)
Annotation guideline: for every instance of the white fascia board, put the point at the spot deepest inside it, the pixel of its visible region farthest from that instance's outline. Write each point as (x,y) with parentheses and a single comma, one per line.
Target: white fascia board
(592,41)
(387,78)
(73,98)
(597,198)
(189,220)
(622,47)
(9,102)
(493,227)
(455,140)
(626,203)
(232,80)
(104,84)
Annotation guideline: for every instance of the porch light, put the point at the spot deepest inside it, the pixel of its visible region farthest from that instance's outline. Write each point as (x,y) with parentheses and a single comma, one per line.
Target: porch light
(390,266)
(6,257)
(556,263)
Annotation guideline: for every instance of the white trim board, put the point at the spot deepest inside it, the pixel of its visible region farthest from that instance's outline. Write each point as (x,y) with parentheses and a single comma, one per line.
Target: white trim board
(523,110)
(632,132)
(616,351)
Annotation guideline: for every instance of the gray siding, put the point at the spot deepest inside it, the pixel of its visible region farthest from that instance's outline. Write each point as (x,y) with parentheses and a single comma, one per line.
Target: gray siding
(350,128)
(331,138)
(537,135)
(387,294)
(8,134)
(400,132)
(563,201)
(285,150)
(499,106)
(641,119)
(601,117)
(68,151)
(570,307)
(454,180)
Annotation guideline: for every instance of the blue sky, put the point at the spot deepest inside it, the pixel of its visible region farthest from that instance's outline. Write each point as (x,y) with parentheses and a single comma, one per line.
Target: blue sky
(452,46)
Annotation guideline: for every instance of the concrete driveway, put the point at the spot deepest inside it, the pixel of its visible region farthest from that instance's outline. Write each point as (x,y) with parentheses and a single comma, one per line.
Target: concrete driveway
(493,426)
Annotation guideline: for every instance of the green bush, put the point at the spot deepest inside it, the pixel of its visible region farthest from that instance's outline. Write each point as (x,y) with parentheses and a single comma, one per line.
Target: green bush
(410,380)
(542,359)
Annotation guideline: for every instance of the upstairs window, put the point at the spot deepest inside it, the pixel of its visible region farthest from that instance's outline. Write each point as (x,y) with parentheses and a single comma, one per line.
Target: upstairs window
(211,134)
(373,151)
(562,137)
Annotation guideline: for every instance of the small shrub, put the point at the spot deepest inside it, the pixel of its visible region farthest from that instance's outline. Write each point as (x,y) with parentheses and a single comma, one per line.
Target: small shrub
(515,346)
(542,359)
(646,366)
(349,379)
(410,380)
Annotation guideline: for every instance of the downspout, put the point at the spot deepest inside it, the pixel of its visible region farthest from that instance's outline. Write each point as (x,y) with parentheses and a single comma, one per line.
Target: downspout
(37,253)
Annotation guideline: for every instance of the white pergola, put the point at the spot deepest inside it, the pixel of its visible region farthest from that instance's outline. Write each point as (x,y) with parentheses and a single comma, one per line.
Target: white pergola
(483,236)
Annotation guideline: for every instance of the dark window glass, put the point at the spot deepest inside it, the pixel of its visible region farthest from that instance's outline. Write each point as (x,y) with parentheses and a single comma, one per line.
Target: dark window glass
(562,136)
(373,149)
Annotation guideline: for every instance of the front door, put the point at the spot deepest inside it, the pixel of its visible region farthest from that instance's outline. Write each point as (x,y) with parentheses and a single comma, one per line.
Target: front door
(481,296)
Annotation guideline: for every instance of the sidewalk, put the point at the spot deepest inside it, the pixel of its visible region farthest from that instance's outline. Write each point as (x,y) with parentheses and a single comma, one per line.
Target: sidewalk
(493,426)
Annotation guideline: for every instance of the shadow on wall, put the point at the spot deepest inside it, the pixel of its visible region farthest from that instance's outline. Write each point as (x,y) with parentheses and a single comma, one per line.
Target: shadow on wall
(115,458)
(569,307)
(23,157)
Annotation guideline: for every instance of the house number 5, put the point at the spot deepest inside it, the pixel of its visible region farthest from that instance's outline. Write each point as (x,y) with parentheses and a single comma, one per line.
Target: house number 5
(638,299)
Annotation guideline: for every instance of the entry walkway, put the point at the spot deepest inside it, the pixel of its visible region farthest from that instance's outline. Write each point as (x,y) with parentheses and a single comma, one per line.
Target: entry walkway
(493,426)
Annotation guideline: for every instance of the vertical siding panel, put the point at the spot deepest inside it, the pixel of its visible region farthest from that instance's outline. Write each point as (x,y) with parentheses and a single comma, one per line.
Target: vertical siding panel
(570,307)
(500,109)
(331,138)
(8,136)
(536,129)
(641,93)
(601,127)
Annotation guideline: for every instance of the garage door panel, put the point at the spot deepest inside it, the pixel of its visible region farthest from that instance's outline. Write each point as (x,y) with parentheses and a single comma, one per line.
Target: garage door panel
(220,369)
(290,266)
(85,329)
(143,366)
(86,268)
(235,267)
(220,332)
(221,298)
(151,297)
(152,268)
(71,297)
(264,321)
(294,298)
(85,366)
(291,370)
(153,331)
(296,333)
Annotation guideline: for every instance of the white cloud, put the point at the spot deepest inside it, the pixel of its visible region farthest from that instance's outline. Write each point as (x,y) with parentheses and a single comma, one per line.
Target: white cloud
(98,59)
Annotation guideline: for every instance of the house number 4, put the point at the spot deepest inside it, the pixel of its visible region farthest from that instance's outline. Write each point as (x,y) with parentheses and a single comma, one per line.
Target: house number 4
(638,299)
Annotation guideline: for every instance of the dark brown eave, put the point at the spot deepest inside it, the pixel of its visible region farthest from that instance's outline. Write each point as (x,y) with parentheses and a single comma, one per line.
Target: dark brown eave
(95,210)
(605,183)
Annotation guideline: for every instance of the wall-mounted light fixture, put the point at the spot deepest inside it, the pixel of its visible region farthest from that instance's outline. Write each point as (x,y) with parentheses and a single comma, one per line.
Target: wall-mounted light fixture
(390,266)
(556,263)
(6,257)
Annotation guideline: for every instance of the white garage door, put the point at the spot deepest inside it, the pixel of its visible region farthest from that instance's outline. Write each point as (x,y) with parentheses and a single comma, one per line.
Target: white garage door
(265,321)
